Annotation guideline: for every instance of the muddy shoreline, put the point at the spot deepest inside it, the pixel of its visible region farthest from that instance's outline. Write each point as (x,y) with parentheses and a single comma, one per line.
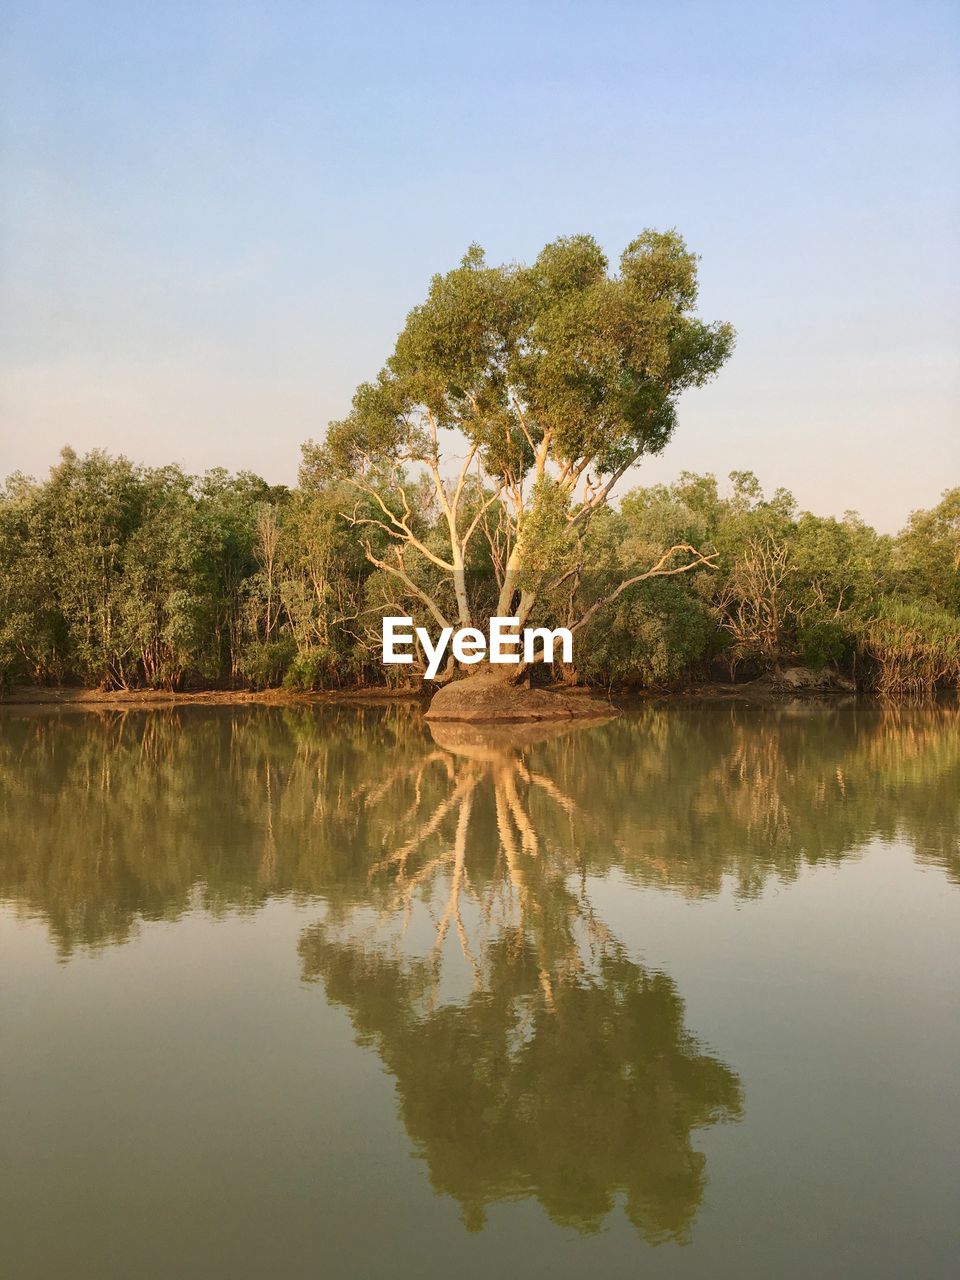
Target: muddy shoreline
(70,697)
(158,699)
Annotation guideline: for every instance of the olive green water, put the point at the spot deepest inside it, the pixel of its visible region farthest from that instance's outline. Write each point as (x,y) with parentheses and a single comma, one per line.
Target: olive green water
(317,993)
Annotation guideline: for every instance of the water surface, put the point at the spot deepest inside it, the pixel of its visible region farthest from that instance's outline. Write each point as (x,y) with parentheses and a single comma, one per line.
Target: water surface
(302,992)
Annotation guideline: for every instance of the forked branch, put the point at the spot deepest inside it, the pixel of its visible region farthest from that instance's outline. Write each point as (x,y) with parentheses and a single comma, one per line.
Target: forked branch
(701,559)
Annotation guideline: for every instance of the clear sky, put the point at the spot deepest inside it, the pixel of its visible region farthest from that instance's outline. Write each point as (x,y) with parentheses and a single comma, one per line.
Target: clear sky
(214,216)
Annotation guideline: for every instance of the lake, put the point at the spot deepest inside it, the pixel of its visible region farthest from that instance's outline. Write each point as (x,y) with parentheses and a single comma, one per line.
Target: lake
(320,991)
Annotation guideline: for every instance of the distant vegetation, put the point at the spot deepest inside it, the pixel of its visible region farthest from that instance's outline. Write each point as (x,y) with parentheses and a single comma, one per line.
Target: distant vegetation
(121,576)
(474,477)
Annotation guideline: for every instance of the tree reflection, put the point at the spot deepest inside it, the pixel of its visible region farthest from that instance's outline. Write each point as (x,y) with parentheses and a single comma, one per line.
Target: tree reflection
(108,820)
(534,1054)
(565,1070)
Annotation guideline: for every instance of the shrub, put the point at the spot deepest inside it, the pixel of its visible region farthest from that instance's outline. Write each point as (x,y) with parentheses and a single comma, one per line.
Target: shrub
(312,669)
(822,643)
(657,638)
(264,663)
(913,646)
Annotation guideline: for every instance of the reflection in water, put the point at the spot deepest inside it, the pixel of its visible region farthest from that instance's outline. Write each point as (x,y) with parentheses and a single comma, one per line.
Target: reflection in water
(566,1072)
(534,1055)
(106,820)
(571,1094)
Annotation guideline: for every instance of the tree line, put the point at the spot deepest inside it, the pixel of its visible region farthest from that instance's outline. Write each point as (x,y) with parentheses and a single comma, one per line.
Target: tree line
(473,477)
(120,576)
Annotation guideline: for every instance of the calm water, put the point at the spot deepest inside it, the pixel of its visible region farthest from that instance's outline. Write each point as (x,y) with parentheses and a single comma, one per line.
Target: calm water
(317,993)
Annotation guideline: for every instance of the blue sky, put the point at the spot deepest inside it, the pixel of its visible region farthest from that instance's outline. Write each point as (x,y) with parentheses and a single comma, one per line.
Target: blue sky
(214,217)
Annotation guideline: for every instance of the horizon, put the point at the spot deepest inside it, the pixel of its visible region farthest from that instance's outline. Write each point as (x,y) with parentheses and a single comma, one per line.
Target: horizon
(214,221)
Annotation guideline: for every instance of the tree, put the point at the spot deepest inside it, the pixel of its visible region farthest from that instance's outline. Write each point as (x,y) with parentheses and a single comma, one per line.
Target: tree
(228,507)
(929,552)
(32,632)
(162,605)
(552,381)
(86,513)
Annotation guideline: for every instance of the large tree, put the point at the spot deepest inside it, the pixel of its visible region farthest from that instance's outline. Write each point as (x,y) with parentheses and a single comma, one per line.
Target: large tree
(515,399)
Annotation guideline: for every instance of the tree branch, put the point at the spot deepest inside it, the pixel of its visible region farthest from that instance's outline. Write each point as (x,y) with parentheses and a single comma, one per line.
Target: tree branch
(659,570)
(399,572)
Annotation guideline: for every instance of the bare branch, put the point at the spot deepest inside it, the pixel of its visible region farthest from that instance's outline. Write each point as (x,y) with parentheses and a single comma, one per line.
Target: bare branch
(398,571)
(597,498)
(659,570)
(400,527)
(485,507)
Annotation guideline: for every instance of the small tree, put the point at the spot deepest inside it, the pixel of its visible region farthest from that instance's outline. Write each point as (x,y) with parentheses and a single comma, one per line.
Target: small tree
(550,381)
(928,552)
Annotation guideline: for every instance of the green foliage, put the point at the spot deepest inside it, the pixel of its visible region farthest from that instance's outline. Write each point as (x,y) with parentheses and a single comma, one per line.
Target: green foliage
(928,553)
(914,644)
(313,669)
(324,668)
(822,643)
(505,353)
(789,586)
(117,575)
(656,637)
(265,662)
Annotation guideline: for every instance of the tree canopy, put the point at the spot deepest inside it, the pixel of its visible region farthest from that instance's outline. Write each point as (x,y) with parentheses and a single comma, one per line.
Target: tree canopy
(119,575)
(543,385)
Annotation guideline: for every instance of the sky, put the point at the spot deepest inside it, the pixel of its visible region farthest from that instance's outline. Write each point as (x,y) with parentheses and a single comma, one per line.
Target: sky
(214,217)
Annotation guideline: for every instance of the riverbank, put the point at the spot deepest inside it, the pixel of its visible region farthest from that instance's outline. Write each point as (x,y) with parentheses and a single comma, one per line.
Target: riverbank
(123,699)
(794,683)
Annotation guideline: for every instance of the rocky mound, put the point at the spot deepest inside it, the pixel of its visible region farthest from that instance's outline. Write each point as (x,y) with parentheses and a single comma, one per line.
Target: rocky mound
(493,743)
(491,698)
(801,680)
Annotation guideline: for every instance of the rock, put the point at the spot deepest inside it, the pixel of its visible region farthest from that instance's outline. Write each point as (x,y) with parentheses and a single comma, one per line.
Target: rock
(489,697)
(494,743)
(800,680)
